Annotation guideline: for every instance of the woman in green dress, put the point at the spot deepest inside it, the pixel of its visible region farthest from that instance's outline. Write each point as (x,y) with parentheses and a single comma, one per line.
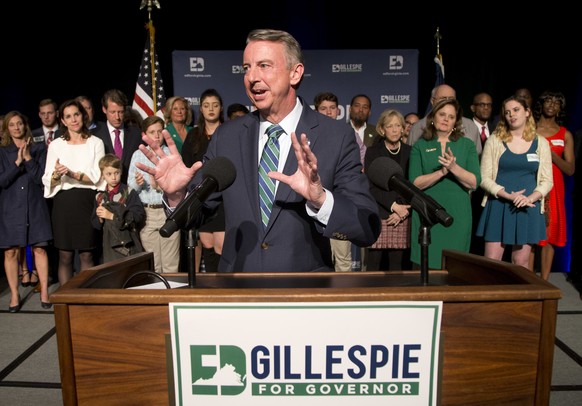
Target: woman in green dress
(178,117)
(445,165)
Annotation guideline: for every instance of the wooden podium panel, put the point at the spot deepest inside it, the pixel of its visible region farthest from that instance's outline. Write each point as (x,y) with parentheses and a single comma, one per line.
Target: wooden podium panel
(498,325)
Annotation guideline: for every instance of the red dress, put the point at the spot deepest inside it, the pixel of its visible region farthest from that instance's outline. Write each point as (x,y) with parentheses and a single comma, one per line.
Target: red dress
(556,230)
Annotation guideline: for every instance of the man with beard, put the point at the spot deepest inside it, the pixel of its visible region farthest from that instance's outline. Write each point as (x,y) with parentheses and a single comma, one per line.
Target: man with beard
(360,109)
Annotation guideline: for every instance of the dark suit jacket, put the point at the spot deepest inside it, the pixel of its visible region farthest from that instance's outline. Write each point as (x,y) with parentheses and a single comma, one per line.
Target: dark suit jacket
(38,134)
(131,142)
(293,241)
(370,135)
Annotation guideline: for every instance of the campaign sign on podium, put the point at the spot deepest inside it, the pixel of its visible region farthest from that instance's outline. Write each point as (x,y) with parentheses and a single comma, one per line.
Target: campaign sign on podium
(306,353)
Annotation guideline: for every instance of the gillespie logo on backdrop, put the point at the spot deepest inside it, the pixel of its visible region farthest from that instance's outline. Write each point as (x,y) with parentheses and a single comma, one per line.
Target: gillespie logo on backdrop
(347,67)
(308,370)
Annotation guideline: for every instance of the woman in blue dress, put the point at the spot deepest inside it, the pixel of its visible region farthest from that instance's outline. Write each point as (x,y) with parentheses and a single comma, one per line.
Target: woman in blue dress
(24,214)
(516,173)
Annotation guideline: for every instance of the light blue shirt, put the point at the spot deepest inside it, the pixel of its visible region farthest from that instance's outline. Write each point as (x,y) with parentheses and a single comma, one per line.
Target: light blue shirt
(147,194)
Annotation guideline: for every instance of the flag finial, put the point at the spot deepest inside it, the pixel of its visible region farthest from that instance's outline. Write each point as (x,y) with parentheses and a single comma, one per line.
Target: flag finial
(438,38)
(149,4)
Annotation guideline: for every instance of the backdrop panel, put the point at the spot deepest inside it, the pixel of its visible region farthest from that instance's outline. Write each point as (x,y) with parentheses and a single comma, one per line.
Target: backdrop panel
(388,76)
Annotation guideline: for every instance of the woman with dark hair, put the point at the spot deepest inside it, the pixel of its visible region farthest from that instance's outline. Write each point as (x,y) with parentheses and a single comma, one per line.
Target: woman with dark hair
(210,117)
(445,165)
(549,113)
(72,178)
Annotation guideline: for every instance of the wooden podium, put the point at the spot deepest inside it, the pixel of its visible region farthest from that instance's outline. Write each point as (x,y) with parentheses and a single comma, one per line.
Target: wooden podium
(498,325)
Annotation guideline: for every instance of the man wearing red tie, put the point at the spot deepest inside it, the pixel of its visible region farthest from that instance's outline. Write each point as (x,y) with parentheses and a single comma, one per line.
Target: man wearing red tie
(48,114)
(118,138)
(482,109)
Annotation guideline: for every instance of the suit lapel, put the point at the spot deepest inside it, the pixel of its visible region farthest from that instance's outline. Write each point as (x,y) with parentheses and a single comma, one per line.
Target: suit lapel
(129,145)
(106,137)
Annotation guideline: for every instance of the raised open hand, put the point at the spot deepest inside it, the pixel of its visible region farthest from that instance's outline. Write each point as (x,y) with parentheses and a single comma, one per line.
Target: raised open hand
(305,180)
(170,173)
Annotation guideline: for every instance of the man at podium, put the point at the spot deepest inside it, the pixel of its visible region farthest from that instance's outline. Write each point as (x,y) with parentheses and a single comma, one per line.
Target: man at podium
(315,180)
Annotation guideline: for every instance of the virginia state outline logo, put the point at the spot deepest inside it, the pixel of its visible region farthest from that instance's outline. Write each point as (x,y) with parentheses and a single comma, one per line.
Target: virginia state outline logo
(218,374)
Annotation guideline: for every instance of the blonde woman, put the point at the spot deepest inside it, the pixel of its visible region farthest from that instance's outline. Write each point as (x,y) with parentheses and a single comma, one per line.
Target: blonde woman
(516,171)
(391,250)
(178,118)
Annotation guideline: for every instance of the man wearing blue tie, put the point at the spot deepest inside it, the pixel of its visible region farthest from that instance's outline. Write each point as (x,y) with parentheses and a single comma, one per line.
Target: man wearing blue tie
(320,191)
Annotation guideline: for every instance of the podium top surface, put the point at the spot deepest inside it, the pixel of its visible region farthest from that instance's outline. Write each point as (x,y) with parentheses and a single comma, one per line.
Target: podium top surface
(464,277)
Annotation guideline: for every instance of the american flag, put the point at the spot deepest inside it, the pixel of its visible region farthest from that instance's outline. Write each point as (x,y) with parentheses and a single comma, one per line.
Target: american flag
(150,97)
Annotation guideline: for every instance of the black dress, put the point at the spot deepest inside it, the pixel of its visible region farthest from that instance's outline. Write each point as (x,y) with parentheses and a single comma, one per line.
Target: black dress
(193,150)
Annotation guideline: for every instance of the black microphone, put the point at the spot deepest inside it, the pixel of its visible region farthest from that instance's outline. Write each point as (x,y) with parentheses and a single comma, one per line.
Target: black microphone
(386,174)
(218,174)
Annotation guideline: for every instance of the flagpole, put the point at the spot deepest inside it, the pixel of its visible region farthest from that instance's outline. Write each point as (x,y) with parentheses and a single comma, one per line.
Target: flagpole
(439,67)
(438,38)
(149,98)
(152,31)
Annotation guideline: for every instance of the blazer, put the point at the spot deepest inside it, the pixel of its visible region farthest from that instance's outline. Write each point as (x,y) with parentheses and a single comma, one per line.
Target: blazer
(131,141)
(38,134)
(292,241)
(371,135)
(24,214)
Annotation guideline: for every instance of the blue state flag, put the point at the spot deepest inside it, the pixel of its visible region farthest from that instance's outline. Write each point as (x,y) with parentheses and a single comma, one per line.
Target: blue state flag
(439,77)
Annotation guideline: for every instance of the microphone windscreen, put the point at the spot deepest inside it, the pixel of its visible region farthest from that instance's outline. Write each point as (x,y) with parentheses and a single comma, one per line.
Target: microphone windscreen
(222,170)
(381,170)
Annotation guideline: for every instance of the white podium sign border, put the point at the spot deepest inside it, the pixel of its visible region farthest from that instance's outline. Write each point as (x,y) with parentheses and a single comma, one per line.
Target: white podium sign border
(307,353)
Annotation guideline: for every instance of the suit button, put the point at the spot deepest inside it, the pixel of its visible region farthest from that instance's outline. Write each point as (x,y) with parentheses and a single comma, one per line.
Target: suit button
(264,245)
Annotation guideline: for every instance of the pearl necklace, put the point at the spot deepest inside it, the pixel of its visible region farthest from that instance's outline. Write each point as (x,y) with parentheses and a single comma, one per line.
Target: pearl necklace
(397,151)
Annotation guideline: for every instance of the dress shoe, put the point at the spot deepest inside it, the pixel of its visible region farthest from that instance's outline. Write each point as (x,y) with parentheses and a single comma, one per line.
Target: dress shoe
(25,275)
(15,309)
(46,305)
(34,278)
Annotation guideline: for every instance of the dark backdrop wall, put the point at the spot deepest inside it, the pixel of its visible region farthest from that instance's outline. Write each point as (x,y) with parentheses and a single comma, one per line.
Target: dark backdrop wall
(48,53)
(64,48)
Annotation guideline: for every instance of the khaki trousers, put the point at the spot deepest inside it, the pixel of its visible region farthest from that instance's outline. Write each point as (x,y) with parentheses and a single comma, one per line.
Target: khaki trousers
(341,252)
(166,250)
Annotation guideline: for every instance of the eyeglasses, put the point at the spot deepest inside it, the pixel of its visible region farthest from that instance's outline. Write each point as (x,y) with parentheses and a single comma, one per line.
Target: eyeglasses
(483,105)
